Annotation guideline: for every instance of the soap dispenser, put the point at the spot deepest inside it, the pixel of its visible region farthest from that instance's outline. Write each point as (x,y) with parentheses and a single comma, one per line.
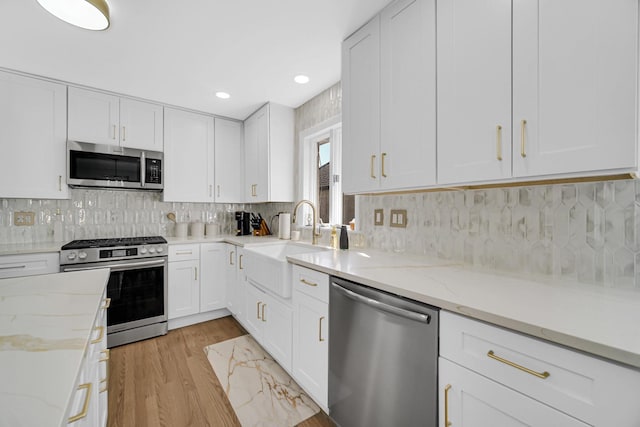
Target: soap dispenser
(344,238)
(334,238)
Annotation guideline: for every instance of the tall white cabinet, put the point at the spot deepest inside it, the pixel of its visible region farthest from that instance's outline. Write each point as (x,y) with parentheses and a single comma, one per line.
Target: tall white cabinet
(33,133)
(535,88)
(213,264)
(268,154)
(188,156)
(102,118)
(389,100)
(229,163)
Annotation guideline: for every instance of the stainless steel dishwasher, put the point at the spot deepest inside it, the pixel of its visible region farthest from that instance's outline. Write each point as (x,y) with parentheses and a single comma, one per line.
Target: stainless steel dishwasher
(383,358)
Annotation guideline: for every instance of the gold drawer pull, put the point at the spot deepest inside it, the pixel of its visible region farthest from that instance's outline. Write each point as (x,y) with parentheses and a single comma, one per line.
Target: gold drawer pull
(263,306)
(85,405)
(543,375)
(373,160)
(306,282)
(100,329)
(107,303)
(447,423)
(523,150)
(499,142)
(258,309)
(320,329)
(231,254)
(105,359)
(382,172)
(240,262)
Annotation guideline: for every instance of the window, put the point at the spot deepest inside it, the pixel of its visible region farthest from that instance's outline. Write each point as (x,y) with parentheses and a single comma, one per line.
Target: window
(321,175)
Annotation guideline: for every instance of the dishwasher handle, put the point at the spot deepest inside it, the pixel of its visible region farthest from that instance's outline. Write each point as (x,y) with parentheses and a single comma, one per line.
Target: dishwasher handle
(412,315)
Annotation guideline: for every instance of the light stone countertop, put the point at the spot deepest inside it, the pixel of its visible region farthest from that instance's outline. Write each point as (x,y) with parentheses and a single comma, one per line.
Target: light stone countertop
(29,248)
(595,319)
(45,327)
(234,240)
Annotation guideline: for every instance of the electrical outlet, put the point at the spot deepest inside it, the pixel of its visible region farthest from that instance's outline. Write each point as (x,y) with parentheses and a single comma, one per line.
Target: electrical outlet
(398,218)
(24,218)
(378,217)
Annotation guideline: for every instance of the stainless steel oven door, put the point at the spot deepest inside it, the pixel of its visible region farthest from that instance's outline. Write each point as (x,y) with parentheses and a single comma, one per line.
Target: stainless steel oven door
(138,292)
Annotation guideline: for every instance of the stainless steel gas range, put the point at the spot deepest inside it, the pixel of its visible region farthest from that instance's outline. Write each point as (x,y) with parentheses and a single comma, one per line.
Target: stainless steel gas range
(137,285)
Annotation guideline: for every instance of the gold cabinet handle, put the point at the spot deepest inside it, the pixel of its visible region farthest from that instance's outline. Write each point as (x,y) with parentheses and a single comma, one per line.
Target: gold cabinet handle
(105,359)
(254,190)
(263,306)
(218,190)
(382,172)
(210,190)
(523,126)
(447,423)
(240,262)
(258,309)
(196,273)
(184,252)
(85,405)
(320,329)
(306,282)
(543,375)
(107,303)
(231,257)
(59,182)
(499,142)
(100,330)
(124,129)
(373,160)
(114,132)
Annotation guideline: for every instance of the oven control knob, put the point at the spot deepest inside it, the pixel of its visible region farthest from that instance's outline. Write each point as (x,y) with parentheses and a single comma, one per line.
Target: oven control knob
(143,251)
(159,249)
(152,250)
(71,256)
(82,255)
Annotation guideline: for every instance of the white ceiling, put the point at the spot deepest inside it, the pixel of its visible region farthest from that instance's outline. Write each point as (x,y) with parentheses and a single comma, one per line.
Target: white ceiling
(181,52)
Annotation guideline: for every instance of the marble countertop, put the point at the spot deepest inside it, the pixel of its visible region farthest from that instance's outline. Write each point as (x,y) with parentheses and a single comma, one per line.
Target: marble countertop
(29,248)
(595,319)
(234,240)
(45,327)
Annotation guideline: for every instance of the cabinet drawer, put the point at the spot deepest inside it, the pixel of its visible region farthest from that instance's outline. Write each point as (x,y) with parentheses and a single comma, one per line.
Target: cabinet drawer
(29,264)
(575,383)
(311,282)
(184,252)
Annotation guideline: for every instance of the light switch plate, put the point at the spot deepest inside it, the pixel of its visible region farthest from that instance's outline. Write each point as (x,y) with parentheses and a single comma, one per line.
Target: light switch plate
(378,217)
(24,218)
(398,218)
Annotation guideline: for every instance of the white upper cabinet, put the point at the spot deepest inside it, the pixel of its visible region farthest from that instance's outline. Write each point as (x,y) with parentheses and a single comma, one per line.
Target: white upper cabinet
(188,156)
(575,86)
(474,90)
(536,88)
(408,94)
(268,154)
(101,118)
(33,134)
(389,100)
(229,164)
(361,108)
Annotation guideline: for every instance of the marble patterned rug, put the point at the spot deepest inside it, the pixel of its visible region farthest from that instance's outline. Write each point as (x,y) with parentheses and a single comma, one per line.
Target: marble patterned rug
(260,391)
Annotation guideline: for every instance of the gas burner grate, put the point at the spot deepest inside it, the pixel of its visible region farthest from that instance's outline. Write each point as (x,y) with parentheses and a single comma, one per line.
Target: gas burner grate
(114,242)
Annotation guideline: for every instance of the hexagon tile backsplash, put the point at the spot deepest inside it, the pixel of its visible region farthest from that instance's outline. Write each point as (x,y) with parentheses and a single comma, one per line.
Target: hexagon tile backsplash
(587,232)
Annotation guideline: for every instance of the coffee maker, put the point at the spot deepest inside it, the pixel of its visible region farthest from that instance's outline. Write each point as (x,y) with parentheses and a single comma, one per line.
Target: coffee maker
(243,220)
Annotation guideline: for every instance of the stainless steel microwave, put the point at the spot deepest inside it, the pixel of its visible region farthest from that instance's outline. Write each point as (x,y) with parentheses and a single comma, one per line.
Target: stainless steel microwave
(114,167)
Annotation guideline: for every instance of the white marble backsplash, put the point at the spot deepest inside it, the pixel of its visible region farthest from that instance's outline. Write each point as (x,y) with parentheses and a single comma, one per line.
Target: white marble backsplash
(586,232)
(114,213)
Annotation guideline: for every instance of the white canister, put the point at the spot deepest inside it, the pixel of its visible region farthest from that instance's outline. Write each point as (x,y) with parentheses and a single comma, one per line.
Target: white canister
(181,229)
(197,229)
(284,226)
(212,229)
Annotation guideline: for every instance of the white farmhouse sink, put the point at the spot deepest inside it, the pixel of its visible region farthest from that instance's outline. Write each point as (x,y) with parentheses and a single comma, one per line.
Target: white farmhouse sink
(267,266)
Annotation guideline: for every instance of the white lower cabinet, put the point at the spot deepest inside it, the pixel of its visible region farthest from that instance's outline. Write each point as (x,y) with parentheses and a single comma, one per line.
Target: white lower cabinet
(89,403)
(268,320)
(310,365)
(197,284)
(503,378)
(469,399)
(29,264)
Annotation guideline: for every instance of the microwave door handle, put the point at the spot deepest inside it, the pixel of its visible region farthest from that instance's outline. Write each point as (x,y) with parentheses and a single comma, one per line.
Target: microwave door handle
(143,168)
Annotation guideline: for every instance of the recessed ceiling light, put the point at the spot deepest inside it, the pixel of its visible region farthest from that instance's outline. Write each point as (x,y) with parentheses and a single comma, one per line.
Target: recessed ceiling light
(301,79)
(88,14)
(223,95)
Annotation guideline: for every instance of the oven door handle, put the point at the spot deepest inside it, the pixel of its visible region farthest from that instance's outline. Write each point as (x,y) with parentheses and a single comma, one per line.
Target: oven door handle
(119,266)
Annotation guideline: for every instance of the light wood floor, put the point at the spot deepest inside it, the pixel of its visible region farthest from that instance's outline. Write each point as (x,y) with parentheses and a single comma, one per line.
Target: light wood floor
(168,381)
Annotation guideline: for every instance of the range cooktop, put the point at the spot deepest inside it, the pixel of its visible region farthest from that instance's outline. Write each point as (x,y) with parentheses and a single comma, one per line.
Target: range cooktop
(114,242)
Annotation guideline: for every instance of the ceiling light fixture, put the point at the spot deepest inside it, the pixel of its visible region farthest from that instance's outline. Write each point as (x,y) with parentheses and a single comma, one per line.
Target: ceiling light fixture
(223,95)
(87,14)
(301,79)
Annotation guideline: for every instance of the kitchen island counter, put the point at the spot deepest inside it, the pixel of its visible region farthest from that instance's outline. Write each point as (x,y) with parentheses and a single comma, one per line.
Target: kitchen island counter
(46,324)
(595,319)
